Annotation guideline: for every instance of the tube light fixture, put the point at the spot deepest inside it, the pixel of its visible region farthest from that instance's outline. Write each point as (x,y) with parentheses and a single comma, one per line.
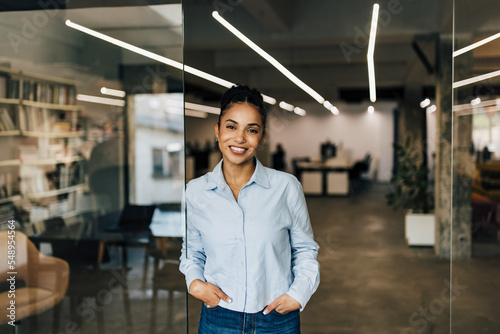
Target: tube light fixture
(425,103)
(431,109)
(472,80)
(370,53)
(331,107)
(371,110)
(269,58)
(328,105)
(299,111)
(194,113)
(100,100)
(475,101)
(286,106)
(201,107)
(159,58)
(112,92)
(475,45)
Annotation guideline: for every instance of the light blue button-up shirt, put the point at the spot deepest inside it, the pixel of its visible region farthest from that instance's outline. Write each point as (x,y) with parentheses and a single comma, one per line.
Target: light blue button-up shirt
(254,249)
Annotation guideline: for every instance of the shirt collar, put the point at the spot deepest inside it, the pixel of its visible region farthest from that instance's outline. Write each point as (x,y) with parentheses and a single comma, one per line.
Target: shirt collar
(216,178)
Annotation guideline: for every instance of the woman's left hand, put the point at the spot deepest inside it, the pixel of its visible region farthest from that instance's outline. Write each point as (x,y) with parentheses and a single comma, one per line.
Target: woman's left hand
(283,304)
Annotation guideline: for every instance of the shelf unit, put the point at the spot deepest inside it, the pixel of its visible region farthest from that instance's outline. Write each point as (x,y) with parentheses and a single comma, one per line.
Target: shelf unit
(41,168)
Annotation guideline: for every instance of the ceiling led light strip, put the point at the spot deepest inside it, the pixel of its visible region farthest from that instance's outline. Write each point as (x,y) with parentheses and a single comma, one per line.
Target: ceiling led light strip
(201,107)
(476,79)
(370,53)
(196,113)
(100,100)
(269,58)
(475,45)
(286,106)
(159,58)
(112,92)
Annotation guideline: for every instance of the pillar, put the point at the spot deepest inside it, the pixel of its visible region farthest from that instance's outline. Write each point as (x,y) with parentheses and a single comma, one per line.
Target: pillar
(454,135)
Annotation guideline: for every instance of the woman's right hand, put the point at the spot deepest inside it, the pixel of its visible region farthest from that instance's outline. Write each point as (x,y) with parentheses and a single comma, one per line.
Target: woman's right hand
(207,293)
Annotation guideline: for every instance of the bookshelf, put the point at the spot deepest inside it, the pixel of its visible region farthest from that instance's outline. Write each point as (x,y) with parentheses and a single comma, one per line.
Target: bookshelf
(41,132)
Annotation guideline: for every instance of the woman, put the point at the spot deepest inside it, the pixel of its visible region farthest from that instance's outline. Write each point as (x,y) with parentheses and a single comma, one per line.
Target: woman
(249,253)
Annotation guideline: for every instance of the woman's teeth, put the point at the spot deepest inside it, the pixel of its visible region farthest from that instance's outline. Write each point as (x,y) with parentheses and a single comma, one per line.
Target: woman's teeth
(237,149)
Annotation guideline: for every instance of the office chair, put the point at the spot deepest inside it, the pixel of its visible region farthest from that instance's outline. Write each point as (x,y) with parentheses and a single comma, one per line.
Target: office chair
(41,281)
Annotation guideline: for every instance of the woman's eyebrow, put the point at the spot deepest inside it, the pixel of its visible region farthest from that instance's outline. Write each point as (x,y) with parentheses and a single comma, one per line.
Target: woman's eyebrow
(249,124)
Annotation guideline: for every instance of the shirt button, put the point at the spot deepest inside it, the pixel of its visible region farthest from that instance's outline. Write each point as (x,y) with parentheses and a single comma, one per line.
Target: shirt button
(241,262)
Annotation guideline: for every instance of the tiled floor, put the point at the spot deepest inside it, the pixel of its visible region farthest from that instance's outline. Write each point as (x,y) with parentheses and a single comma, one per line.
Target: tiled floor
(371,282)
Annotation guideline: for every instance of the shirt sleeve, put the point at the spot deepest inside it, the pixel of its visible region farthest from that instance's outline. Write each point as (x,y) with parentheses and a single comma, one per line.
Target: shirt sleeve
(193,254)
(305,266)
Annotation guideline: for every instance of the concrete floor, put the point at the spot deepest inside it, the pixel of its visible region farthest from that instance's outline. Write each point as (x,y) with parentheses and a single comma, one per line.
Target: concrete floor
(371,282)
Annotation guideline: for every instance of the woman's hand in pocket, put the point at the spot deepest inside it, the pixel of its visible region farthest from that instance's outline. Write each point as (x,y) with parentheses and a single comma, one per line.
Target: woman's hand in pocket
(283,304)
(207,293)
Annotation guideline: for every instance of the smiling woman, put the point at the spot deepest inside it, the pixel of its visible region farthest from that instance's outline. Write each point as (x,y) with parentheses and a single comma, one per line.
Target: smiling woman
(245,224)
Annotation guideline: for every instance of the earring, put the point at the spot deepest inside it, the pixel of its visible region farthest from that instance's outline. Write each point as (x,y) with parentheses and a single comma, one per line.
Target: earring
(216,139)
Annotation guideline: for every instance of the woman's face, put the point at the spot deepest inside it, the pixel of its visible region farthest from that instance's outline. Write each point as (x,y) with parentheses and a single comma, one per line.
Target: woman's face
(240,134)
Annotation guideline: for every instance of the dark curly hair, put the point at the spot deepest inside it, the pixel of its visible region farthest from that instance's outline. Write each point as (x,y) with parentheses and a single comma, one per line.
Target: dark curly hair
(242,94)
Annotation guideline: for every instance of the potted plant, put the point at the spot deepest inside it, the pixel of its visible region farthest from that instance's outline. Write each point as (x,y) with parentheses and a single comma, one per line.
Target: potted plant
(412,192)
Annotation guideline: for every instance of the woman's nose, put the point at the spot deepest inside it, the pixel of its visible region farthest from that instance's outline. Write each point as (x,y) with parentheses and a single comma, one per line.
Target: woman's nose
(240,137)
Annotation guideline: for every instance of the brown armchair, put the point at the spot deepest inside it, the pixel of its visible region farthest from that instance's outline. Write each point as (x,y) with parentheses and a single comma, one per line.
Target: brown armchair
(41,281)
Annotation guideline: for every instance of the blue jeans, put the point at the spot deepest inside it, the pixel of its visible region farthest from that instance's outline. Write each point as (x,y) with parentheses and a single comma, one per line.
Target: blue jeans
(218,320)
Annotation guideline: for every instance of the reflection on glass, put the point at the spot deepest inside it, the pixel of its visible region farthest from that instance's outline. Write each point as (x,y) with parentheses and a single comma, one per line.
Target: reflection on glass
(92,192)
(477,144)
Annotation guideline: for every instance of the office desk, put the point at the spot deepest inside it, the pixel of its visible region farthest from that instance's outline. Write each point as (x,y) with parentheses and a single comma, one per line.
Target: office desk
(324,178)
(85,240)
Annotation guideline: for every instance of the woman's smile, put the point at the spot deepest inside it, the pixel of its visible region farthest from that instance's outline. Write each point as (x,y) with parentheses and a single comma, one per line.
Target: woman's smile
(237,150)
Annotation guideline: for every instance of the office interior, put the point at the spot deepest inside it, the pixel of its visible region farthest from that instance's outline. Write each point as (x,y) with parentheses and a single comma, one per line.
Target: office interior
(99,138)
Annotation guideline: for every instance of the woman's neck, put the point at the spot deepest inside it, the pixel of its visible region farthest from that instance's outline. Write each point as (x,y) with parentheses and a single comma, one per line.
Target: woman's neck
(237,176)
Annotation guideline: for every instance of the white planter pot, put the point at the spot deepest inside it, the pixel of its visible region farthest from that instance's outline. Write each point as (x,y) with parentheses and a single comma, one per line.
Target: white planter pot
(420,229)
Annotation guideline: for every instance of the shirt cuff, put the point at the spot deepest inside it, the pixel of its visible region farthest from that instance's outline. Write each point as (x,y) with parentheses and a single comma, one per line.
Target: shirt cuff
(192,274)
(301,292)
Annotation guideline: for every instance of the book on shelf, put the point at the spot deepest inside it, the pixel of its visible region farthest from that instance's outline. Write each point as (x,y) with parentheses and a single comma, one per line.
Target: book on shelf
(65,176)
(8,213)
(39,91)
(33,119)
(3,86)
(13,88)
(7,124)
(5,185)
(33,180)
(61,127)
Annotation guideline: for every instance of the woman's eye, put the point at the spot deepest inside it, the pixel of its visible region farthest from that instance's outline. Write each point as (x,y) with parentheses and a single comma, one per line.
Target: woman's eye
(230,127)
(253,131)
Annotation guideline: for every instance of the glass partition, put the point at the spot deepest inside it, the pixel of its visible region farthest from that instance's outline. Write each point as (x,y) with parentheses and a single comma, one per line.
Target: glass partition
(476,144)
(373,275)
(91,168)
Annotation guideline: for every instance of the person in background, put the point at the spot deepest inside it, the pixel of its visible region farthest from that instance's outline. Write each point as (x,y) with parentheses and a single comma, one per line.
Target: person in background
(249,253)
(278,158)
